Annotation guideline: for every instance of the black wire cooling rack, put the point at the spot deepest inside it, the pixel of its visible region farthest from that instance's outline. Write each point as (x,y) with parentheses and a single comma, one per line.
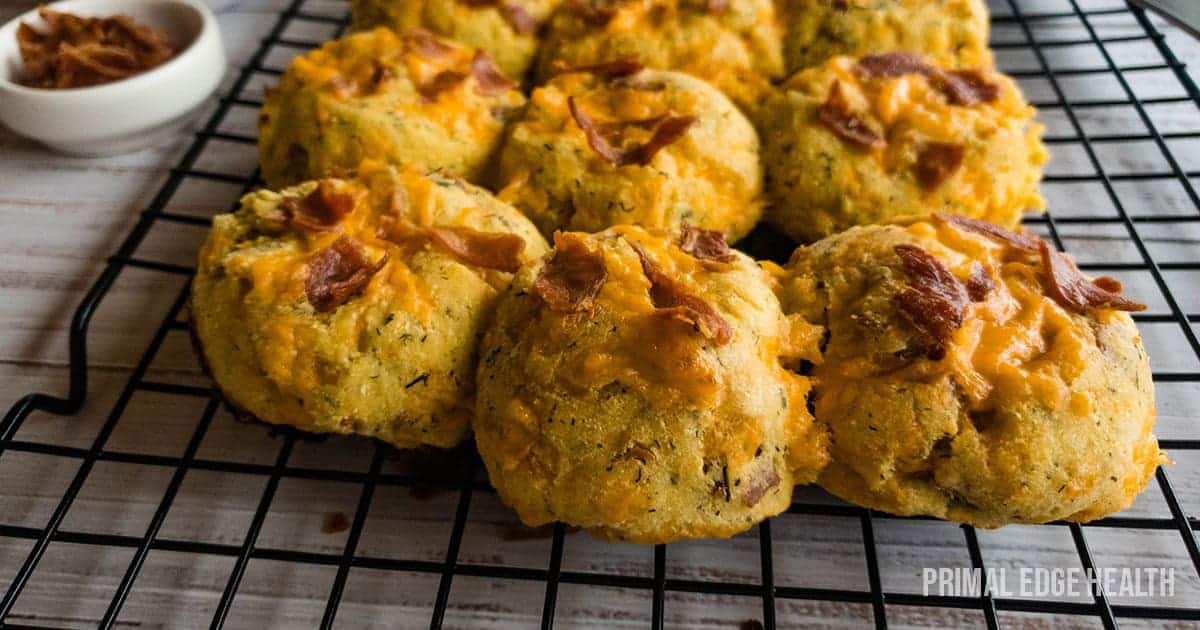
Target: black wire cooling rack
(1101,207)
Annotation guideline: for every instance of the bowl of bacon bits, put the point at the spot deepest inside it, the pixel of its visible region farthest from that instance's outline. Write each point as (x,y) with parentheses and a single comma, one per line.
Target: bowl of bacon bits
(102,77)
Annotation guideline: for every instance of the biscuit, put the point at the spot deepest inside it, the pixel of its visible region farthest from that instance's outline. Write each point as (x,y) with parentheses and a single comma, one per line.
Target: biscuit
(652,148)
(858,142)
(961,379)
(411,100)
(355,306)
(733,44)
(953,33)
(631,385)
(505,29)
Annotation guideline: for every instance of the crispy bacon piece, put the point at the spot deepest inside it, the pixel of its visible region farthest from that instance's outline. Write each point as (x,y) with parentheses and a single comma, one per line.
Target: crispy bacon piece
(490,250)
(489,79)
(937,161)
(716,6)
(935,301)
(339,273)
(980,283)
(705,244)
(571,280)
(441,82)
(965,87)
(759,486)
(893,64)
(1074,292)
(426,44)
(670,300)
(616,68)
(348,87)
(319,210)
(667,130)
(84,51)
(835,114)
(1021,242)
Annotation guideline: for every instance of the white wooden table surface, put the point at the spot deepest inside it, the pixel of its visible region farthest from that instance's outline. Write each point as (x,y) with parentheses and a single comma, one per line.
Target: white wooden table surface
(62,217)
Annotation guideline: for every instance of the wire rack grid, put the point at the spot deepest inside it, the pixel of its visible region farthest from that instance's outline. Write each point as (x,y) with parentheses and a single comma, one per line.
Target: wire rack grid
(1112,210)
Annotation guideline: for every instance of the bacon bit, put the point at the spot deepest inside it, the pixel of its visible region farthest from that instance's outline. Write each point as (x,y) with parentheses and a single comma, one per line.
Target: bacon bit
(705,244)
(595,12)
(1075,292)
(667,130)
(319,210)
(894,64)
(349,87)
(979,284)
(441,82)
(760,486)
(571,280)
(339,273)
(835,114)
(84,51)
(717,6)
(965,87)
(1022,242)
(670,300)
(935,301)
(937,161)
(334,522)
(841,5)
(616,68)
(380,74)
(426,44)
(490,250)
(489,79)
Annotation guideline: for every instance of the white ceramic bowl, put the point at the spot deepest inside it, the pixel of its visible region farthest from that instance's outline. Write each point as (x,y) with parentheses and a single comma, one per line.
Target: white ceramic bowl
(124,115)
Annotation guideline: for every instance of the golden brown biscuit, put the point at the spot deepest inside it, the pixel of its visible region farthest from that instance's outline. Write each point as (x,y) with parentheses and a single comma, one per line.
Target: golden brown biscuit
(411,100)
(953,33)
(961,379)
(858,142)
(355,306)
(631,385)
(651,148)
(505,29)
(733,44)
